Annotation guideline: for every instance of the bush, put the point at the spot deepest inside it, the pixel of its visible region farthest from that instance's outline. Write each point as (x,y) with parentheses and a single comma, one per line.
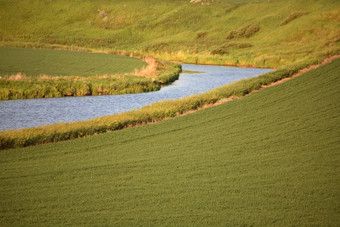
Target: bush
(158,47)
(200,35)
(238,45)
(220,51)
(291,17)
(244,32)
(224,49)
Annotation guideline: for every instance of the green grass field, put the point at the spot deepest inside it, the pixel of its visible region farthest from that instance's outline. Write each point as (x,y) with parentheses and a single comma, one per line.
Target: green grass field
(177,29)
(35,62)
(269,159)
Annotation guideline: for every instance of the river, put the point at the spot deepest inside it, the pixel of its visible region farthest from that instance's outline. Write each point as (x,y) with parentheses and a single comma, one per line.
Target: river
(25,113)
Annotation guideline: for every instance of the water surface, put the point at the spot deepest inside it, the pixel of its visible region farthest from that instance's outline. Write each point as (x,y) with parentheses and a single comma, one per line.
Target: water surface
(27,113)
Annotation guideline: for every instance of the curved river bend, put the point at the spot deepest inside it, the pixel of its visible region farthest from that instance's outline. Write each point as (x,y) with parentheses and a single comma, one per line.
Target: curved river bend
(15,114)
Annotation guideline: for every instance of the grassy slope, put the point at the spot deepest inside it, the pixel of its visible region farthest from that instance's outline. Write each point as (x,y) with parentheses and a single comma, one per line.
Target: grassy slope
(270,158)
(35,62)
(170,28)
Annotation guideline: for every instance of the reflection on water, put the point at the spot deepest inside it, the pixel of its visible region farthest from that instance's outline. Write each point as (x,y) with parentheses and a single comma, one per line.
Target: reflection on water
(35,112)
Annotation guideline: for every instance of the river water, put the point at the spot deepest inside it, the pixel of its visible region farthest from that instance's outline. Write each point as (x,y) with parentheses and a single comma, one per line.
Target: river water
(15,114)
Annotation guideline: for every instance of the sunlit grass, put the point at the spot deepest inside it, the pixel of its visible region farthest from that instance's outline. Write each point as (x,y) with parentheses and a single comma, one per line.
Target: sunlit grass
(173,29)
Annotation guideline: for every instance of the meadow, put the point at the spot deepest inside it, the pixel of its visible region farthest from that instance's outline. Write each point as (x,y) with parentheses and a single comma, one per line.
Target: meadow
(268,159)
(45,73)
(270,33)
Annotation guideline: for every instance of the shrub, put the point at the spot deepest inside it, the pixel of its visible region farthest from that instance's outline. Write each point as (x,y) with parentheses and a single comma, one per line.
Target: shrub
(239,45)
(244,32)
(220,51)
(157,47)
(291,17)
(200,35)
(224,49)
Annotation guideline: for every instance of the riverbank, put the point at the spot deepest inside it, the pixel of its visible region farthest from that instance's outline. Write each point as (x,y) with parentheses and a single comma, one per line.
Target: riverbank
(300,72)
(79,73)
(38,112)
(152,113)
(225,64)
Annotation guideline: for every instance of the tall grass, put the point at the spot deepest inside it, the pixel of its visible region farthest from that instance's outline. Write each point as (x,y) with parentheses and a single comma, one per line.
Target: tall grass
(147,114)
(46,87)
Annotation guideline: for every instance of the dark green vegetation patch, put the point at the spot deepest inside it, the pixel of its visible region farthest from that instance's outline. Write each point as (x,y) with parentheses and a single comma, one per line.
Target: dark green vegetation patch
(35,62)
(268,159)
(244,32)
(291,17)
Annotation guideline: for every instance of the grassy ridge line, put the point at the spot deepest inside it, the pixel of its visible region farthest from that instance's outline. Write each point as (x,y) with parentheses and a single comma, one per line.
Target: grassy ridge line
(147,79)
(152,113)
(170,29)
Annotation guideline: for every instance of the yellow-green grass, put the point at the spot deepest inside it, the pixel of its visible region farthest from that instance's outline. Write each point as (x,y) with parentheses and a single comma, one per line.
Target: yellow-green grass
(269,159)
(41,73)
(233,32)
(178,29)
